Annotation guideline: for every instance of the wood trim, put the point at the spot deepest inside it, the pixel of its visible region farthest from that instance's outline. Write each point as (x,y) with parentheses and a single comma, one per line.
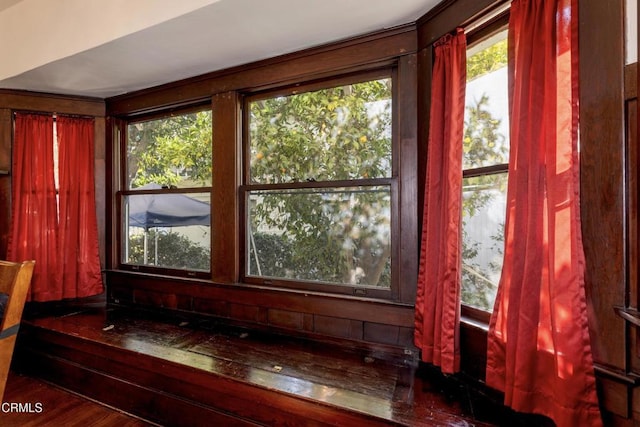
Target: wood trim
(340,306)
(100,181)
(631,81)
(450,14)
(632,229)
(357,54)
(111,184)
(407,156)
(44,102)
(225,223)
(425,68)
(603,153)
(6,132)
(6,136)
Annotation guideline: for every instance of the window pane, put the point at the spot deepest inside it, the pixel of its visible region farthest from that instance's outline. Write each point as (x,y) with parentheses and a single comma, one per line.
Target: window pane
(483,216)
(167,230)
(486,131)
(338,133)
(171,151)
(337,236)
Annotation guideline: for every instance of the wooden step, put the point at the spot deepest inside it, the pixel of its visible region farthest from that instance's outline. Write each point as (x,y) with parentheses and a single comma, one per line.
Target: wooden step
(204,372)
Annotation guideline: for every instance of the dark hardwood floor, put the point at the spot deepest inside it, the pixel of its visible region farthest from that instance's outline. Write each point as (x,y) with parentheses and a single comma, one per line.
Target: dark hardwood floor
(30,402)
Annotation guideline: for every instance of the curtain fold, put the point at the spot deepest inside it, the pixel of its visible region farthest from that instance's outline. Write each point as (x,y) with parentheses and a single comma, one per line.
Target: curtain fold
(539,351)
(33,208)
(438,290)
(58,231)
(79,263)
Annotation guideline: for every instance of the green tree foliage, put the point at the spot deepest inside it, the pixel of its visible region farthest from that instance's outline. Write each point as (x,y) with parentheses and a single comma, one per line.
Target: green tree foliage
(337,235)
(174,251)
(487,60)
(173,151)
(331,134)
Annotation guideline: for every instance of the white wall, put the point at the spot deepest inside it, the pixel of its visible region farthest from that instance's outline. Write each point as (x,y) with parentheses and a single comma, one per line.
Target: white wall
(37,32)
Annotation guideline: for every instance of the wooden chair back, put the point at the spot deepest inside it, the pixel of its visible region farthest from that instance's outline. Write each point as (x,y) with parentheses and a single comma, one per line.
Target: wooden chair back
(15,279)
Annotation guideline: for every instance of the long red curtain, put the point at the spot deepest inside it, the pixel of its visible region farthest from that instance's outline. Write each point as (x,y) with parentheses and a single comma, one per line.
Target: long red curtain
(33,208)
(438,291)
(64,241)
(79,263)
(539,350)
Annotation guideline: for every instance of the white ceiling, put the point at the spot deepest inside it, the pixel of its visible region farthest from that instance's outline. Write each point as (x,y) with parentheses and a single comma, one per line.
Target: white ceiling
(101,49)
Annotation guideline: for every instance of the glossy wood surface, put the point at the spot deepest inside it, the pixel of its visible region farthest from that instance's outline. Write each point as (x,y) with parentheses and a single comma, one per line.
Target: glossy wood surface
(206,368)
(602,174)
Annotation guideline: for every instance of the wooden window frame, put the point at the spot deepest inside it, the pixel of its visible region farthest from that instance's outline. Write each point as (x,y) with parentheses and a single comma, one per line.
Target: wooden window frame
(390,293)
(478,34)
(124,191)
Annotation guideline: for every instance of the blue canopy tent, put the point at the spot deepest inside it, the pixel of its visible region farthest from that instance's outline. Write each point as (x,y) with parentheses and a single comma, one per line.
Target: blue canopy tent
(165,210)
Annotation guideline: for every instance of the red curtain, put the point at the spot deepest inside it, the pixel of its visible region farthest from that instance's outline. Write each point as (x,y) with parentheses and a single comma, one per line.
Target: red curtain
(79,263)
(64,241)
(33,209)
(438,291)
(539,350)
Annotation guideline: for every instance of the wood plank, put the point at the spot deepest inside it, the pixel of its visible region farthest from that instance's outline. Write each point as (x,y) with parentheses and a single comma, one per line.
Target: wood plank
(602,160)
(208,370)
(45,404)
(303,301)
(407,155)
(631,81)
(225,225)
(52,103)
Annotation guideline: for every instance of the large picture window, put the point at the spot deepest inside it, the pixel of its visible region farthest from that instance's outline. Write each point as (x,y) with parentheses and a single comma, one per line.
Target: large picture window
(166,208)
(319,185)
(485,169)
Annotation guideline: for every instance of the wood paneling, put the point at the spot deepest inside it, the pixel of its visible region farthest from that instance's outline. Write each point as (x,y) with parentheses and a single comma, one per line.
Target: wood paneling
(226,179)
(602,147)
(61,104)
(305,302)
(388,326)
(632,201)
(12,100)
(210,373)
(407,158)
(6,132)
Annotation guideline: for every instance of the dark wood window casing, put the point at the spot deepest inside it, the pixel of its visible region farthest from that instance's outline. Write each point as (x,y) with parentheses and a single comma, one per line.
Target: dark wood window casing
(381,319)
(124,191)
(390,182)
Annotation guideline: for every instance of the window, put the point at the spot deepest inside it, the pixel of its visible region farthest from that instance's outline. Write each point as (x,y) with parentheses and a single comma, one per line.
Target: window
(319,186)
(166,208)
(485,169)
